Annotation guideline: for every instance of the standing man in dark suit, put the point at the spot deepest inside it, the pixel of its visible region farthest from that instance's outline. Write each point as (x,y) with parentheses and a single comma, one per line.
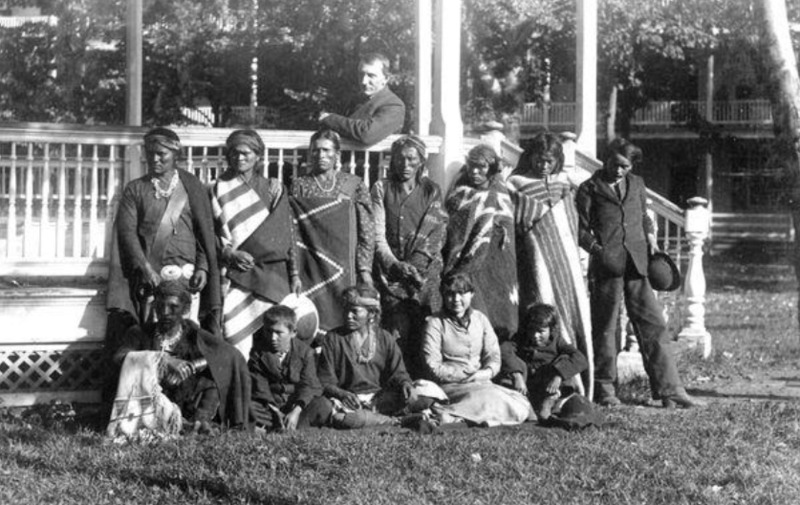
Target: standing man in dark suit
(615,229)
(381,115)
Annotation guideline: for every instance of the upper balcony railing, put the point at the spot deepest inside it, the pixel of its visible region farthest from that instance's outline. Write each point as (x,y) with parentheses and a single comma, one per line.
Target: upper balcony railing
(561,115)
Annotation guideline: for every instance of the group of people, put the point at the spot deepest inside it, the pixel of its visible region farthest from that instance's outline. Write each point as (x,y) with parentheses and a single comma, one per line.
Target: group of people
(465,307)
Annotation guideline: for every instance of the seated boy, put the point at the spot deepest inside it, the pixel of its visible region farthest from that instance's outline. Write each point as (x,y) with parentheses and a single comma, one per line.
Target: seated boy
(538,363)
(286,391)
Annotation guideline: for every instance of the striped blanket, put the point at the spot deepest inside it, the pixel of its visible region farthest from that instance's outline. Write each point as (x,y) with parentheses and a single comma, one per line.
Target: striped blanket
(245,222)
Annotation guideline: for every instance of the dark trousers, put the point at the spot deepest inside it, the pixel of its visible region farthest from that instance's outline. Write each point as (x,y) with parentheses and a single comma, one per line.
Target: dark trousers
(645,312)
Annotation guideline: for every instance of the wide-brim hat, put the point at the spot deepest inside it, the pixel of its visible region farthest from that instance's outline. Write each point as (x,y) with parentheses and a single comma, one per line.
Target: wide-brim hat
(307,315)
(576,413)
(663,273)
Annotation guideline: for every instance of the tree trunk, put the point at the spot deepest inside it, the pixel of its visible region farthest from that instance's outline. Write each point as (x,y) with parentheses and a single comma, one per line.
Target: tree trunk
(784,91)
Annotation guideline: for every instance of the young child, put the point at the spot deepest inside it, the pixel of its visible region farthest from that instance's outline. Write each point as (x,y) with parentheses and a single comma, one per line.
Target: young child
(538,363)
(286,392)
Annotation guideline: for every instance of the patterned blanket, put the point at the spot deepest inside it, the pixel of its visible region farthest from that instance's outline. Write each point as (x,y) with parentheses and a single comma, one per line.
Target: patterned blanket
(326,244)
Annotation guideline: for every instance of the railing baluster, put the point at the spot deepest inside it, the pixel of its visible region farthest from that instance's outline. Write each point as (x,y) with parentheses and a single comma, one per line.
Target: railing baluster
(93,199)
(367,166)
(11,233)
(61,216)
(77,201)
(190,162)
(111,204)
(27,238)
(45,241)
(280,166)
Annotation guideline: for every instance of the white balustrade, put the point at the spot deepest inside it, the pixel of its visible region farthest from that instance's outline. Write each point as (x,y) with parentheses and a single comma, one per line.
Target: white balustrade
(694,330)
(561,115)
(62,184)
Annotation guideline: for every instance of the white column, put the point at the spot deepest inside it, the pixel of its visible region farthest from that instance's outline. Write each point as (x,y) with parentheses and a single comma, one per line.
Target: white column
(133,112)
(708,166)
(694,328)
(586,89)
(446,96)
(424,80)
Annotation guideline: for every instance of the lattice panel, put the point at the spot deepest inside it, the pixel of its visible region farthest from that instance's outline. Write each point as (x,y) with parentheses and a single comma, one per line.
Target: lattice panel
(44,370)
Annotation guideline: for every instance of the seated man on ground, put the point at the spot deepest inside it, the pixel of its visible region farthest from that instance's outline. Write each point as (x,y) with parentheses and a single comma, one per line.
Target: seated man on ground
(173,370)
(283,369)
(462,355)
(539,363)
(361,367)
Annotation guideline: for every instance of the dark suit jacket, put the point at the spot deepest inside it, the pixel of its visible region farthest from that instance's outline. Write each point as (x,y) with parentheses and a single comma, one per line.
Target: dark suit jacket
(372,121)
(619,227)
(284,385)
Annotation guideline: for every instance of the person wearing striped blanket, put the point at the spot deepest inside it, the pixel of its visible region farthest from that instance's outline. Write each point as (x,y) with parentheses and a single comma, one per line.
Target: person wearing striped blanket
(255,233)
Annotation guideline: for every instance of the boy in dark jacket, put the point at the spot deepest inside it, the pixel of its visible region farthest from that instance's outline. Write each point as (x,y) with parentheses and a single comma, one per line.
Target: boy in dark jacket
(614,228)
(286,390)
(538,362)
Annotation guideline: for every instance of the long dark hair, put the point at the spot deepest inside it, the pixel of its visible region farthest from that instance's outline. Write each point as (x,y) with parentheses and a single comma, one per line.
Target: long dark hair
(541,144)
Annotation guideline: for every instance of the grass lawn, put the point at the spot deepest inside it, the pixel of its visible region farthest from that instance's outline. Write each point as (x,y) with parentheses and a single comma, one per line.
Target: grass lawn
(739,449)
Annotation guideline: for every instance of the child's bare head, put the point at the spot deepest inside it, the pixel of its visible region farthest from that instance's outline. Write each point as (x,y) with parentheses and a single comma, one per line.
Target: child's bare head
(280,327)
(540,324)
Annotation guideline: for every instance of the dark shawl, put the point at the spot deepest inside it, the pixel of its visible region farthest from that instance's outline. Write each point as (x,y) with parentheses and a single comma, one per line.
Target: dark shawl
(128,249)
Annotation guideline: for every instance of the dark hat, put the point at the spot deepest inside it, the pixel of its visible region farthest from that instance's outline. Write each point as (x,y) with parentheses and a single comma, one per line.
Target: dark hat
(576,413)
(663,273)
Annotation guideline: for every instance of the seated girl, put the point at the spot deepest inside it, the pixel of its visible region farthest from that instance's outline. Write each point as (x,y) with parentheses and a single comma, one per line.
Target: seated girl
(539,363)
(361,367)
(462,355)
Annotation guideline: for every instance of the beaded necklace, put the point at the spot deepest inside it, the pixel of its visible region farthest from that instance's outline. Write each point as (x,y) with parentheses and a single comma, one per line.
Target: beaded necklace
(333,184)
(165,193)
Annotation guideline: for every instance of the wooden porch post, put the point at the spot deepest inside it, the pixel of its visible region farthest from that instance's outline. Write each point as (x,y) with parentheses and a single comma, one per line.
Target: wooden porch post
(586,92)
(133,110)
(424,48)
(446,93)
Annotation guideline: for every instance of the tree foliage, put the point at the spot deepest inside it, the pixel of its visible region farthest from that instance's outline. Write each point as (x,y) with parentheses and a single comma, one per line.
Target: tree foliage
(200,52)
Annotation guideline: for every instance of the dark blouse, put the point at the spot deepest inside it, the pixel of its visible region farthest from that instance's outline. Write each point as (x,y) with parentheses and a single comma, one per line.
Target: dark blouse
(339,365)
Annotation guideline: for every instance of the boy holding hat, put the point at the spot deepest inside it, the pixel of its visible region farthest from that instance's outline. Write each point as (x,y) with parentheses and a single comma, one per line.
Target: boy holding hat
(618,234)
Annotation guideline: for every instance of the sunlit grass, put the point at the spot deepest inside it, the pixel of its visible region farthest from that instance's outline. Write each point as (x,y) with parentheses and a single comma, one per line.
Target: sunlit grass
(731,452)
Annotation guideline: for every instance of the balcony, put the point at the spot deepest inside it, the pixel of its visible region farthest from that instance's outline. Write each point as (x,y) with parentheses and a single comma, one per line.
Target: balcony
(560,116)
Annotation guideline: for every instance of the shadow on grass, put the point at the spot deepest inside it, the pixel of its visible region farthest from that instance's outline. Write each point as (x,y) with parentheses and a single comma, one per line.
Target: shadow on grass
(218,490)
(710,393)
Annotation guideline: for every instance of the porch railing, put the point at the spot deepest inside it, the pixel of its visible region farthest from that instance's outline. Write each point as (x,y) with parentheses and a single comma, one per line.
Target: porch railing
(561,115)
(59,186)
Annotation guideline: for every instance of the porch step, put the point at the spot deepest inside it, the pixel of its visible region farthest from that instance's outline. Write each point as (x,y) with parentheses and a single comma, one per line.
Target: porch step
(768,235)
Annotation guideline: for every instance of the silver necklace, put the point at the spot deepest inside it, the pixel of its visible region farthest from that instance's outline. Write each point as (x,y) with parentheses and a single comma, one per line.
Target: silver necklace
(165,193)
(333,184)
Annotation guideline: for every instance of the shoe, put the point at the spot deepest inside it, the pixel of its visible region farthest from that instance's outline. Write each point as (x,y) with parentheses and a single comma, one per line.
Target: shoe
(681,399)
(606,395)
